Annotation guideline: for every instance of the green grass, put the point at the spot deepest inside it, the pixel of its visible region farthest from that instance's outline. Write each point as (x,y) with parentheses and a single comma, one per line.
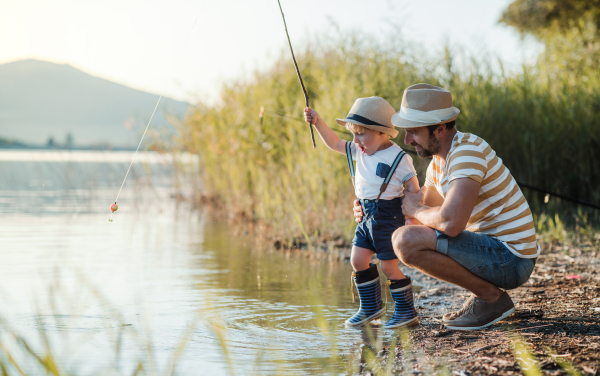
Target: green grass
(36,353)
(547,131)
(50,347)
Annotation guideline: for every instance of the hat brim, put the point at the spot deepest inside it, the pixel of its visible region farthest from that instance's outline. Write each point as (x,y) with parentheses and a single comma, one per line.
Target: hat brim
(403,123)
(391,131)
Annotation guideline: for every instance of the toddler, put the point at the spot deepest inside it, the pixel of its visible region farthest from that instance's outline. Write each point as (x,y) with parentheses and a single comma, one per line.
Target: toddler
(382,171)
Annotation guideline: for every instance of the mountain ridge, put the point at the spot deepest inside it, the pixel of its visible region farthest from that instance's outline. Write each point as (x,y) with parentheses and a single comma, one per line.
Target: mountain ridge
(42,101)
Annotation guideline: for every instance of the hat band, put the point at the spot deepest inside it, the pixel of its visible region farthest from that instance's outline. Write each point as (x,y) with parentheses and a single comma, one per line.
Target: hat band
(363,120)
(435,116)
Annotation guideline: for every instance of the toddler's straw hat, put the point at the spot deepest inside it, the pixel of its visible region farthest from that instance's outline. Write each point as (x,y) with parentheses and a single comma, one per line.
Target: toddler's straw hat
(424,104)
(374,113)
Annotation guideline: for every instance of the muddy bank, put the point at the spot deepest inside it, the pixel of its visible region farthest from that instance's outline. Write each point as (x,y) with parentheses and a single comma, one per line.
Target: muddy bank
(323,247)
(557,320)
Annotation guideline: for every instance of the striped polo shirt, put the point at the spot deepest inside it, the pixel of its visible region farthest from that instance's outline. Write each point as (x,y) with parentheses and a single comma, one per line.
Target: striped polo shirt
(501,210)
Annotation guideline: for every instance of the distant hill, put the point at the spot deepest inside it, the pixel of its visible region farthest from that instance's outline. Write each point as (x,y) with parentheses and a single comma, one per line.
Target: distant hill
(40,101)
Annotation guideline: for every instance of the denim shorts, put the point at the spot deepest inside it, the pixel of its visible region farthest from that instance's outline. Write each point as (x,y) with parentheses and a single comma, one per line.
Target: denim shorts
(380,220)
(487,258)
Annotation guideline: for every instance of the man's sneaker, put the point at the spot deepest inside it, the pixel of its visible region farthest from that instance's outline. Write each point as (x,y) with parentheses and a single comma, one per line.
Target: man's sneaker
(453,315)
(480,314)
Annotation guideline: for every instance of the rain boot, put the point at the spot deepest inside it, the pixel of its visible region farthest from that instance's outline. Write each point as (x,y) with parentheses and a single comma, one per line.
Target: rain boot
(369,291)
(404,308)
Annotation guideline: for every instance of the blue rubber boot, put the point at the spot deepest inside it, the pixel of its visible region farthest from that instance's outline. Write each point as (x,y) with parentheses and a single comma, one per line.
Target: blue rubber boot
(404,308)
(369,291)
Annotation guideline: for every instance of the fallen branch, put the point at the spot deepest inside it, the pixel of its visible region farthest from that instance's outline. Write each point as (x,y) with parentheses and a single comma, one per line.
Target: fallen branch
(533,327)
(461,351)
(486,347)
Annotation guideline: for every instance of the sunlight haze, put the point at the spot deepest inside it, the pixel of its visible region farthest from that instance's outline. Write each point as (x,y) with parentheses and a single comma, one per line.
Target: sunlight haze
(136,43)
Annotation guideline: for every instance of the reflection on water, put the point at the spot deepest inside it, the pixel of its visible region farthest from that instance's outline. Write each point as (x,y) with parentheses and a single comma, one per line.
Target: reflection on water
(146,276)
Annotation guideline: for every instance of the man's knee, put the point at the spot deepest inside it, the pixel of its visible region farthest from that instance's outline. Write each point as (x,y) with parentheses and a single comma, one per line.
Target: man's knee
(408,241)
(404,245)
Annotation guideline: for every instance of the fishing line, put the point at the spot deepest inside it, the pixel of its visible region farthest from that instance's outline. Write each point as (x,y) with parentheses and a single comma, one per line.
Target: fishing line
(114,207)
(541,190)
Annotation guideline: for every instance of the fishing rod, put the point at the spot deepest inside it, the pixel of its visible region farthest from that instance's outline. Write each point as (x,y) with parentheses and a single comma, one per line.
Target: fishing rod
(312,133)
(114,206)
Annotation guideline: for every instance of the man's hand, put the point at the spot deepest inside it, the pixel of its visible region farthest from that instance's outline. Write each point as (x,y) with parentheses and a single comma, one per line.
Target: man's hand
(453,215)
(412,202)
(358,212)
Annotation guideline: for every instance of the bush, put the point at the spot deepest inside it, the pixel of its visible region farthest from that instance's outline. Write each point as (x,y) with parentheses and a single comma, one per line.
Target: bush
(544,128)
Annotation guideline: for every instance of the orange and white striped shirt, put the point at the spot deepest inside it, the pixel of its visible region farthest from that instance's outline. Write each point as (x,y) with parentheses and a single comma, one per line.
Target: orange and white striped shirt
(501,210)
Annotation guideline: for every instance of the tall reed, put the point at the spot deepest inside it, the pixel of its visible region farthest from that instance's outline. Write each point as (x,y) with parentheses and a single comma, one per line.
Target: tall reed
(546,131)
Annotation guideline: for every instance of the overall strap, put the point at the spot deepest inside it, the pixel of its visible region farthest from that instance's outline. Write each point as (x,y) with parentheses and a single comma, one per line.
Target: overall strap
(349,158)
(387,179)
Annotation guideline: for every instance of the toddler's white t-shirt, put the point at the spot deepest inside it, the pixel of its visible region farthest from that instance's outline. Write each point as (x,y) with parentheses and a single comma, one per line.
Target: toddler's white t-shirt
(371,170)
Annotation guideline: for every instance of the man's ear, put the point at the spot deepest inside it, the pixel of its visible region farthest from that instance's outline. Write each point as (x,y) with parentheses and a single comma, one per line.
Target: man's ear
(441,130)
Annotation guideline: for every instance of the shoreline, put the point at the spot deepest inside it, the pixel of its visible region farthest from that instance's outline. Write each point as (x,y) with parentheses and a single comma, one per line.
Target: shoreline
(556,321)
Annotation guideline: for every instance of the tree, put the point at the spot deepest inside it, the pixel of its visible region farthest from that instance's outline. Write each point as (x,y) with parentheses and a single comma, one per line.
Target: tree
(69,140)
(543,18)
(570,30)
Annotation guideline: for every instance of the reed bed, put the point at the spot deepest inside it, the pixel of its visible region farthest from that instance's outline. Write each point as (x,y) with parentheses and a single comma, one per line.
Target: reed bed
(546,131)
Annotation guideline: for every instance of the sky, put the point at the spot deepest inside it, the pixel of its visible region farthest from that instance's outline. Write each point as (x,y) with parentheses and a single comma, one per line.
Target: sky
(142,44)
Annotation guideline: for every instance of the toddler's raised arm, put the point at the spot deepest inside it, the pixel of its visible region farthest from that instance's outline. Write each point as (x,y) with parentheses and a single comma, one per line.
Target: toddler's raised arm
(329,137)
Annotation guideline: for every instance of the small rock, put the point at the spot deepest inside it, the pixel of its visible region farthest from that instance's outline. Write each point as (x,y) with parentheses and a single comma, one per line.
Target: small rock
(462,373)
(441,333)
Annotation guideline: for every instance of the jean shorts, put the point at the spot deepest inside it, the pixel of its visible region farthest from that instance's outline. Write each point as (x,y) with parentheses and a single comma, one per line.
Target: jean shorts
(380,220)
(487,258)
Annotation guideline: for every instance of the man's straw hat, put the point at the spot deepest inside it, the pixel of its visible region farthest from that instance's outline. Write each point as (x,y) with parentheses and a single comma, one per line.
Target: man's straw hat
(374,113)
(424,104)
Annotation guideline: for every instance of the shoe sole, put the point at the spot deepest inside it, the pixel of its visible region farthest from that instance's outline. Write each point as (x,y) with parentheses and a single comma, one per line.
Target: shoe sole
(375,316)
(446,320)
(412,322)
(503,316)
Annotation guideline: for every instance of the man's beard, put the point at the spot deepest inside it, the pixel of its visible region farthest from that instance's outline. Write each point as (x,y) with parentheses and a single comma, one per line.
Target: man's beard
(433,147)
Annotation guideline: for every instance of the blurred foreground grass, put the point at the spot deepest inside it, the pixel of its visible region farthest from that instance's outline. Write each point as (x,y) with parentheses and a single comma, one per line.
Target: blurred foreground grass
(545,127)
(41,350)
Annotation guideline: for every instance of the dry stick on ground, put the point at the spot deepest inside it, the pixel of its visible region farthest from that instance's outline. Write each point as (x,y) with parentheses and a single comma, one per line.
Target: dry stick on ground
(486,347)
(312,133)
(533,327)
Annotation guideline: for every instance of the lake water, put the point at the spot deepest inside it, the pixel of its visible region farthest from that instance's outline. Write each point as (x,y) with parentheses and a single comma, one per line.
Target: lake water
(108,295)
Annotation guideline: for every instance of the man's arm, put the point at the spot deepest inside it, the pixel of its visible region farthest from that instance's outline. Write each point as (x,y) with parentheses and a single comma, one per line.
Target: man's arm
(432,198)
(452,216)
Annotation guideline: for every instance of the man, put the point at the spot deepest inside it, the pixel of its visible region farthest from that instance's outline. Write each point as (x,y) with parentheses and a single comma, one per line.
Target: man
(475,227)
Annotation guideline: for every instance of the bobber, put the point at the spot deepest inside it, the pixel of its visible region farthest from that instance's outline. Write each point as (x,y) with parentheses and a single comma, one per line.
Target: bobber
(114,207)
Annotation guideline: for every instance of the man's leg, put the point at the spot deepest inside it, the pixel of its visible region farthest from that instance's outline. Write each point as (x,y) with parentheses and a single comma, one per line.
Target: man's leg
(415,247)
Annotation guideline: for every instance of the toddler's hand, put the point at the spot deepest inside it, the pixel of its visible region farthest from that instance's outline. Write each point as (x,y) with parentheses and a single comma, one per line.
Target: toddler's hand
(412,222)
(358,212)
(311,116)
